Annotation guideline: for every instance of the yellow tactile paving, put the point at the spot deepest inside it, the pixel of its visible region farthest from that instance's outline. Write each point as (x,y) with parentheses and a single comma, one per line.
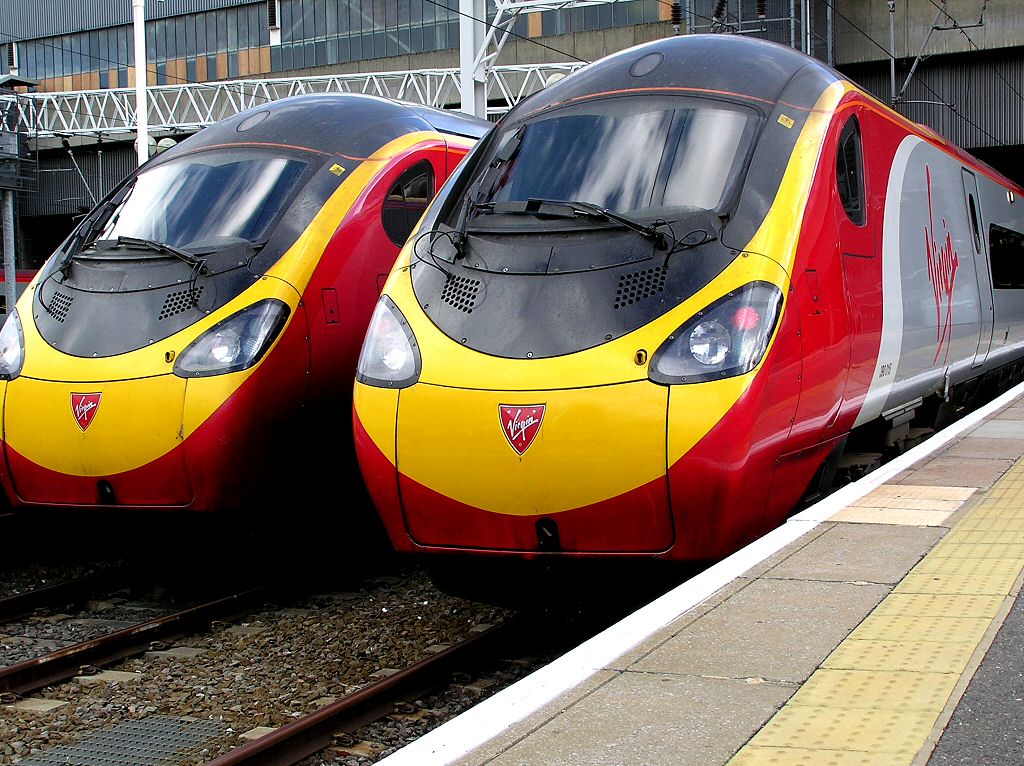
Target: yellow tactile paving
(753,755)
(987,537)
(859,729)
(896,656)
(992,524)
(876,698)
(955,549)
(875,689)
(946,582)
(969,570)
(932,605)
(922,628)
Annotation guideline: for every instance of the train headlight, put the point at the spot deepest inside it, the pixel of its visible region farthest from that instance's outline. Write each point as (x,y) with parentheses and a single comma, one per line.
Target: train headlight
(390,357)
(727,338)
(12,347)
(235,343)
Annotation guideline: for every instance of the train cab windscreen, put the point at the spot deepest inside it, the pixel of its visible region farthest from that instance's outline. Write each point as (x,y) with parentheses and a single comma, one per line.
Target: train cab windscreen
(202,197)
(634,155)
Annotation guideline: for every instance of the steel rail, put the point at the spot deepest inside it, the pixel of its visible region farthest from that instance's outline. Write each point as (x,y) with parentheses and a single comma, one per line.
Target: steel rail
(293,742)
(59,594)
(65,663)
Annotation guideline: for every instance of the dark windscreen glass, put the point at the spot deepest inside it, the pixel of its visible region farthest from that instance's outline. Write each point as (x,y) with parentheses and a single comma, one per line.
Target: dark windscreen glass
(233,193)
(629,154)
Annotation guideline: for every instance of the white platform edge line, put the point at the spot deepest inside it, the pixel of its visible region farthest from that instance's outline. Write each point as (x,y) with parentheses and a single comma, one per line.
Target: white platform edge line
(495,715)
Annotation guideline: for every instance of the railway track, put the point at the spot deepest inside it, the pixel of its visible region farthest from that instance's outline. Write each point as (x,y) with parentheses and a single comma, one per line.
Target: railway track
(67,662)
(291,744)
(254,661)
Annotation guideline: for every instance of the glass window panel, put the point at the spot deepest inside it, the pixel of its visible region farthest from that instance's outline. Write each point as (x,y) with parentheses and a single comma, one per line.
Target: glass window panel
(293,23)
(232,63)
(232,27)
(190,36)
(92,49)
(76,54)
(103,50)
(180,45)
(222,31)
(343,12)
(1007,252)
(122,56)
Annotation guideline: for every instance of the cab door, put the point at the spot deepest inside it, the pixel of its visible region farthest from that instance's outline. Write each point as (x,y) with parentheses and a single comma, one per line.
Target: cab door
(857,219)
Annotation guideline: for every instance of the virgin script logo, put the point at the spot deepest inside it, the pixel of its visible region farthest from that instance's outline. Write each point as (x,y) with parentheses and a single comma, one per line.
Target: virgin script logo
(84,407)
(943,262)
(520,423)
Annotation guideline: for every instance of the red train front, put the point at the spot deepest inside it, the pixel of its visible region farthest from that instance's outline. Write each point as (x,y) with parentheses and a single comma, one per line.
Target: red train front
(668,298)
(190,344)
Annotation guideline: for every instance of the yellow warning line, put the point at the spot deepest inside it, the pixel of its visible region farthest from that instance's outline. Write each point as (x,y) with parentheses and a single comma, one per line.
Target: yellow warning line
(876,700)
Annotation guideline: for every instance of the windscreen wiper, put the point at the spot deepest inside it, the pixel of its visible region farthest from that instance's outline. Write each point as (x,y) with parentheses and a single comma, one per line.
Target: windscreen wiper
(575,209)
(484,186)
(162,247)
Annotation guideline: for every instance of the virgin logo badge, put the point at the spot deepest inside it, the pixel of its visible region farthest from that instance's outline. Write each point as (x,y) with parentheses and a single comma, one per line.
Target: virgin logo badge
(943,262)
(83,407)
(520,423)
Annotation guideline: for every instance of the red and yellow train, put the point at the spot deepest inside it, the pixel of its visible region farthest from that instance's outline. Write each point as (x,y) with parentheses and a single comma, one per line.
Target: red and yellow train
(668,298)
(190,346)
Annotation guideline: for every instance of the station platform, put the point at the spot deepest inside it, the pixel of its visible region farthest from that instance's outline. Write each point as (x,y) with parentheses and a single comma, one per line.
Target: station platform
(879,626)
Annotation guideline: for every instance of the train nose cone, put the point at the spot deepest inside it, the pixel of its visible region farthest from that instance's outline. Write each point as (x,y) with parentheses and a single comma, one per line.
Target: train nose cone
(535,470)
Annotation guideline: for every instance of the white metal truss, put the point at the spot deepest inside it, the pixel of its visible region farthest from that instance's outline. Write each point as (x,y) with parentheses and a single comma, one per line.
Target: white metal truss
(505,14)
(186,108)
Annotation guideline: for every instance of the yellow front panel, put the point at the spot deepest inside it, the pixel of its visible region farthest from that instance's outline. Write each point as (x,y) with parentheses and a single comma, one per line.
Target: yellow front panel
(136,422)
(586,450)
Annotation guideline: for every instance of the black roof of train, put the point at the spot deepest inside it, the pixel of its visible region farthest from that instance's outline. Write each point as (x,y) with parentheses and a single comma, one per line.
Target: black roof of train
(733,64)
(353,124)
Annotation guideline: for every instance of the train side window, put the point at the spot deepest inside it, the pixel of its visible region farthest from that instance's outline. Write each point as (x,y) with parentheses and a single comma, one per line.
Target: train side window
(1006,248)
(406,201)
(975,228)
(850,172)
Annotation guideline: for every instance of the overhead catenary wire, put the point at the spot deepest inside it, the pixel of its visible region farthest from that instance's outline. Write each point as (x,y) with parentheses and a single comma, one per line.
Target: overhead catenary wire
(921,81)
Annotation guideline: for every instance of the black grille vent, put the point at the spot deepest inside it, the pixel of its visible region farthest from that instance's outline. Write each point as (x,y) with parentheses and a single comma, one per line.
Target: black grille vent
(461,293)
(637,285)
(59,306)
(183,300)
